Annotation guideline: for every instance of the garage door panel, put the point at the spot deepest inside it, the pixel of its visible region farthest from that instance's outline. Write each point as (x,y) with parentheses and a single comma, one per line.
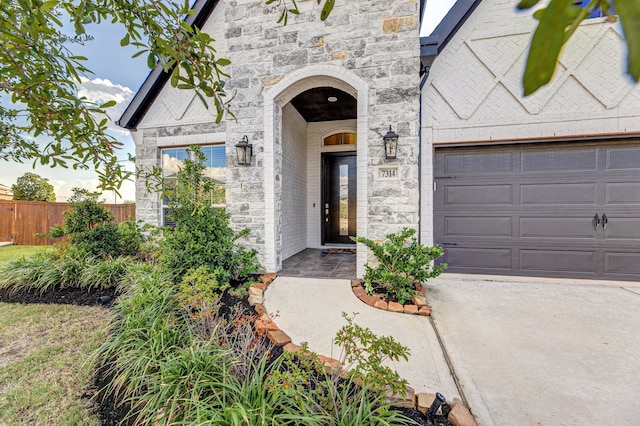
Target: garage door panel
(627,157)
(561,160)
(486,258)
(556,227)
(478,194)
(626,264)
(556,260)
(622,228)
(474,162)
(478,226)
(622,193)
(559,194)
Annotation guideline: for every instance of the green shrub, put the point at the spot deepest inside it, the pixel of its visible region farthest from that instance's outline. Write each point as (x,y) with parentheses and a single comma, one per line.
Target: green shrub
(365,352)
(91,229)
(401,261)
(202,235)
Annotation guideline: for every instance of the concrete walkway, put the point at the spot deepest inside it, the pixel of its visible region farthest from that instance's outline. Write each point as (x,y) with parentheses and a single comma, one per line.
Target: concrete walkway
(310,310)
(542,352)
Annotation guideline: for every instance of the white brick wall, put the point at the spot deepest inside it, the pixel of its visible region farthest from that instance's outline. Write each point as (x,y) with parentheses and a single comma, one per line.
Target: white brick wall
(294,182)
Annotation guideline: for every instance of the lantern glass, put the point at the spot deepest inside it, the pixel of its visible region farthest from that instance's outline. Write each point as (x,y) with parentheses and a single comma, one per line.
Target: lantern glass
(244,151)
(390,144)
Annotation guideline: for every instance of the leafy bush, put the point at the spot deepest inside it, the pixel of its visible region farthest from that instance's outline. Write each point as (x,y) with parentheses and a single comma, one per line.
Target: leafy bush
(365,352)
(401,261)
(202,235)
(90,228)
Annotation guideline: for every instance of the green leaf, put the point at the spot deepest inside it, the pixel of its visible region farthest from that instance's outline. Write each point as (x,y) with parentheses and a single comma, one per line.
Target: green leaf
(108,104)
(526,4)
(326,10)
(48,5)
(629,12)
(223,62)
(546,45)
(125,40)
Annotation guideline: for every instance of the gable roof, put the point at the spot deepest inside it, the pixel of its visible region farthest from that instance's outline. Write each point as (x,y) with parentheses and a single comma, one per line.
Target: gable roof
(433,44)
(157,78)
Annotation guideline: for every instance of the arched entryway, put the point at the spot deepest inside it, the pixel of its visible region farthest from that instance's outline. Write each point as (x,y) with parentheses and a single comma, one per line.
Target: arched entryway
(310,180)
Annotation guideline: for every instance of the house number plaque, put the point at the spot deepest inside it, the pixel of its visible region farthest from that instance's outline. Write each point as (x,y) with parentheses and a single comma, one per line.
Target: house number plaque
(388,173)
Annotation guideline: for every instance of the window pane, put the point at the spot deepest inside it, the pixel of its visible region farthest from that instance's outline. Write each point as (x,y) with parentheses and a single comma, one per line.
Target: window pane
(215,162)
(341,139)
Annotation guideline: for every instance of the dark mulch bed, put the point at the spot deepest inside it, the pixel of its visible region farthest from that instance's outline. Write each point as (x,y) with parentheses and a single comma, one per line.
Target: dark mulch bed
(61,296)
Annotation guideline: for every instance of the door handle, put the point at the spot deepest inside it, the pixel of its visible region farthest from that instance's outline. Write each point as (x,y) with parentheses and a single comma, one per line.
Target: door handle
(605,220)
(595,221)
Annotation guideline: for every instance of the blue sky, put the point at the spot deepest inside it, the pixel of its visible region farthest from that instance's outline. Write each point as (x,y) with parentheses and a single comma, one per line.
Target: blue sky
(117,77)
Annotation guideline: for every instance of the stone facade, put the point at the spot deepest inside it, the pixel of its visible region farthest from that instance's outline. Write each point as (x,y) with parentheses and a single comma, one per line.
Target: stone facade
(473,94)
(369,49)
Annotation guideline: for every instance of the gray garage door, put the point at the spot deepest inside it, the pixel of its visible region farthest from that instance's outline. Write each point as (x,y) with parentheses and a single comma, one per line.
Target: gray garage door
(558,210)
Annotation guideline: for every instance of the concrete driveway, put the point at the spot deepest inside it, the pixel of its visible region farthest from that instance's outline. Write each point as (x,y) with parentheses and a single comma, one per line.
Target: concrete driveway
(540,351)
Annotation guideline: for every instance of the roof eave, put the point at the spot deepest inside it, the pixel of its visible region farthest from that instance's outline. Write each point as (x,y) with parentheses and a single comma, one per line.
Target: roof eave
(157,78)
(432,45)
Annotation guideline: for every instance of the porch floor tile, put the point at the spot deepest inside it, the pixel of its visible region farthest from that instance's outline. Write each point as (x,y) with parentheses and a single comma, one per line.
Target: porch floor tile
(318,263)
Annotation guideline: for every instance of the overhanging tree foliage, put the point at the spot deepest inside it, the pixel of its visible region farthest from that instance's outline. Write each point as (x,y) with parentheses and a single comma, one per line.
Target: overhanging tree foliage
(40,74)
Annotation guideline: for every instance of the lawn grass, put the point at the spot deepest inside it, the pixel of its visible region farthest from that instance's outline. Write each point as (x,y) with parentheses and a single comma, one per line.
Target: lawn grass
(9,253)
(43,362)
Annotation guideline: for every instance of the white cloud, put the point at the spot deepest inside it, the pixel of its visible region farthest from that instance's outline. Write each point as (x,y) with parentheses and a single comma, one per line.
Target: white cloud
(101,90)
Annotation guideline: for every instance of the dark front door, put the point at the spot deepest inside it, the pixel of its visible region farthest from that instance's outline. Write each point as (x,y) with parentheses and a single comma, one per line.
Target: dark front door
(339,198)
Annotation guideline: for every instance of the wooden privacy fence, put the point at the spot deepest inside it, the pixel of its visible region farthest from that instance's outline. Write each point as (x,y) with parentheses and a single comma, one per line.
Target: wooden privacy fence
(21,220)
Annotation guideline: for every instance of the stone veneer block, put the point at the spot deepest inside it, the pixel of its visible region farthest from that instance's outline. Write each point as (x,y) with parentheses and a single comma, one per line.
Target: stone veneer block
(381,304)
(424,401)
(359,292)
(370,300)
(290,347)
(261,286)
(410,309)
(254,300)
(418,300)
(407,400)
(278,337)
(395,307)
(263,326)
(461,416)
(425,311)
(356,283)
(255,291)
(260,309)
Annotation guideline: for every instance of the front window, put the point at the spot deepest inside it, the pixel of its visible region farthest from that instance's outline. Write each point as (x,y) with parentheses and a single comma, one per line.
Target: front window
(215,163)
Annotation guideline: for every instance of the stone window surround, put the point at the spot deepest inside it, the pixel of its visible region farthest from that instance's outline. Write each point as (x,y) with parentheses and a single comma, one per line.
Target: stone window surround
(281,94)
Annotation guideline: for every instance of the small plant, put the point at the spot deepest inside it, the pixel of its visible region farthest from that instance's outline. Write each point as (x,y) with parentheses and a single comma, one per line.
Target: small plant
(199,293)
(202,235)
(401,261)
(365,352)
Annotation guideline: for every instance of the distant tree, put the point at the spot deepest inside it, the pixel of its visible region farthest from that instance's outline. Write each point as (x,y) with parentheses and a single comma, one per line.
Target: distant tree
(33,187)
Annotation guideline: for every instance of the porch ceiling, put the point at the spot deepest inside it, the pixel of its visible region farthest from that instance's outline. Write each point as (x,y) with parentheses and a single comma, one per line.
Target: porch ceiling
(314,105)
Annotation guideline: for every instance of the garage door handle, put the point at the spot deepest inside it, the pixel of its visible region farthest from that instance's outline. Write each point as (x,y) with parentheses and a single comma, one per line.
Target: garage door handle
(604,220)
(595,222)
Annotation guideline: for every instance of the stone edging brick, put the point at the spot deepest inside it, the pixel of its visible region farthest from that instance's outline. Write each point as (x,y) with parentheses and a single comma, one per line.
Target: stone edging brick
(417,307)
(264,324)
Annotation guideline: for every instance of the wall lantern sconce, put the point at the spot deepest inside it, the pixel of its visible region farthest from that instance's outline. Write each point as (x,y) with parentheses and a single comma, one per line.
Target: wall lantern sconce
(390,144)
(244,151)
